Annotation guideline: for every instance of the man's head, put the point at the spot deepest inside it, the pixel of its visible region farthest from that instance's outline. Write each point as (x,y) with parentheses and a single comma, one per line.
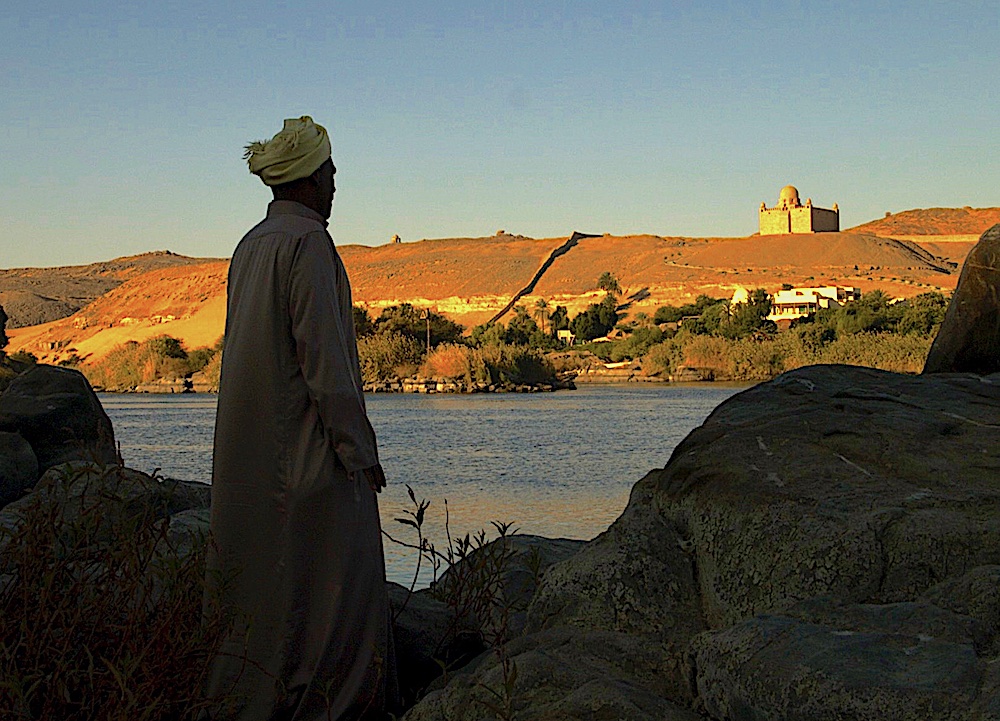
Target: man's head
(296,164)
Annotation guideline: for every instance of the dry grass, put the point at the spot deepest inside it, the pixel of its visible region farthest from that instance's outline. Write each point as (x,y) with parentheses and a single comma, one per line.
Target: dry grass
(100,610)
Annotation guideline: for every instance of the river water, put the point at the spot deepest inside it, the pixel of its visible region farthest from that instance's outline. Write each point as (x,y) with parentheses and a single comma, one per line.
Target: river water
(553,464)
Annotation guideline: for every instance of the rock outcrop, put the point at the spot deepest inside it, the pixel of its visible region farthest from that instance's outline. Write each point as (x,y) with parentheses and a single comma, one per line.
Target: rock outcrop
(969,339)
(57,412)
(824,546)
(101,497)
(18,467)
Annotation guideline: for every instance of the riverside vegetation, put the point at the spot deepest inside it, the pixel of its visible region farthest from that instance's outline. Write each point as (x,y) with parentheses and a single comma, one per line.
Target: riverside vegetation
(707,339)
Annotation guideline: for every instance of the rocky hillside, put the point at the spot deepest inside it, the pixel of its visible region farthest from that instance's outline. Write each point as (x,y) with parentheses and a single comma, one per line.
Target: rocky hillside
(31,296)
(472,279)
(933,221)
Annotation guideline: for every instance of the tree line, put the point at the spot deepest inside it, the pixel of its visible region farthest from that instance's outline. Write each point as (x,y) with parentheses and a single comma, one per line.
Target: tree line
(714,335)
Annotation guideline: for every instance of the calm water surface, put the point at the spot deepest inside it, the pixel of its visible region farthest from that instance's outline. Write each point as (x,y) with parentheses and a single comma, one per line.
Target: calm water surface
(554,464)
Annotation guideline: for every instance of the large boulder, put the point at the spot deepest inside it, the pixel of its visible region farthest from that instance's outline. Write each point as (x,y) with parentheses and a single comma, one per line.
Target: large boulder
(836,480)
(825,545)
(58,413)
(969,339)
(823,661)
(99,500)
(505,574)
(560,674)
(635,582)
(18,467)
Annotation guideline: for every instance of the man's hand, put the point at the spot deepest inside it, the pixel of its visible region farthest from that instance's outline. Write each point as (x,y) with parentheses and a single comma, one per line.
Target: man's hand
(374,475)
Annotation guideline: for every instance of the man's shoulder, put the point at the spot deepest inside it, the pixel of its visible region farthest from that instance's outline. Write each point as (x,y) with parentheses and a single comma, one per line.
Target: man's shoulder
(288,225)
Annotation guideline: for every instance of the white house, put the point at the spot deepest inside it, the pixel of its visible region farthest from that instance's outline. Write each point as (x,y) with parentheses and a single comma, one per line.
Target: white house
(787,305)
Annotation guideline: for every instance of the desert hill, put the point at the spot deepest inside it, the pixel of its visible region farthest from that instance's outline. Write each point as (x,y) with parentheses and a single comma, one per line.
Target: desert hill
(31,296)
(934,221)
(186,301)
(471,279)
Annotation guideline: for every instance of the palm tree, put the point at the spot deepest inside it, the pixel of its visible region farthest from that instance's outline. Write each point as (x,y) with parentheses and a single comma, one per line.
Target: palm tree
(608,283)
(542,311)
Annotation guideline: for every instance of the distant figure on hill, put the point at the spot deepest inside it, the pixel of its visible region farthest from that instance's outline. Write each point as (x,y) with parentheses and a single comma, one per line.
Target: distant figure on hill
(296,470)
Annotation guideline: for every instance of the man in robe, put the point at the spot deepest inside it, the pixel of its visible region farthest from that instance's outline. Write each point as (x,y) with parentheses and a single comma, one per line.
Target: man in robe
(297,547)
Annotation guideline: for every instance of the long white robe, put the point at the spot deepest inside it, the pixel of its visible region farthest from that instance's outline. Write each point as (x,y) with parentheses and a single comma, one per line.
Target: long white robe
(300,540)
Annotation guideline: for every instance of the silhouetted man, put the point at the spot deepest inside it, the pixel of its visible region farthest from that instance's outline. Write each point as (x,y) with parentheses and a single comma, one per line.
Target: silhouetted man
(296,469)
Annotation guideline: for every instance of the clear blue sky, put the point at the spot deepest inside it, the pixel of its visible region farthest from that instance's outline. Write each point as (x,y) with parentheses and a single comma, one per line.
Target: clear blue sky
(124,123)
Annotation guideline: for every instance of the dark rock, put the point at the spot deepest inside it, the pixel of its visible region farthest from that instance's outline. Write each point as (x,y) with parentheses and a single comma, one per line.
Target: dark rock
(432,635)
(107,497)
(824,546)
(562,674)
(906,661)
(429,639)
(58,413)
(636,579)
(972,594)
(18,467)
(188,531)
(837,480)
(969,339)
(522,561)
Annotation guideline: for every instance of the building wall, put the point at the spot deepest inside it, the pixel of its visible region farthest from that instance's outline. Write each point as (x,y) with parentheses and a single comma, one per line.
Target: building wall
(825,221)
(774,221)
(800,219)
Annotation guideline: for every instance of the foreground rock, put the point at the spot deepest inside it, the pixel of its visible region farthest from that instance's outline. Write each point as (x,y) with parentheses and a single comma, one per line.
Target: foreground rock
(825,546)
(18,467)
(969,339)
(104,498)
(57,412)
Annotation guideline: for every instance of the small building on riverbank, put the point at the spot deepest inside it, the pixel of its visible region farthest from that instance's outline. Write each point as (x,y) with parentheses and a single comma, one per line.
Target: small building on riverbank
(787,305)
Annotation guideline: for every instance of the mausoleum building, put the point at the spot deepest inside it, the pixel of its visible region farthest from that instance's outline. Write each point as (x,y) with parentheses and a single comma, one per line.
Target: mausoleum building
(791,216)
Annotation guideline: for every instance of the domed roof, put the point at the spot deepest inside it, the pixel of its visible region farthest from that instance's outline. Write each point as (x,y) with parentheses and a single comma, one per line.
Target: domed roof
(789,192)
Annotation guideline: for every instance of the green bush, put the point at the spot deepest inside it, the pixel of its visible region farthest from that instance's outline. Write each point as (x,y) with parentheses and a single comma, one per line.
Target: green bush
(516,364)
(762,358)
(386,355)
(132,364)
(413,322)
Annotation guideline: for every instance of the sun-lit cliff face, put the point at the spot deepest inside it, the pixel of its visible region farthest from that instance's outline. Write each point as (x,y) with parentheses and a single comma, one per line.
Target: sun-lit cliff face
(471,279)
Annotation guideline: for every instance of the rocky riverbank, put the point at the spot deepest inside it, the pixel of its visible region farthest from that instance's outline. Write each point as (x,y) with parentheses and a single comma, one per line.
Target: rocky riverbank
(433,385)
(824,546)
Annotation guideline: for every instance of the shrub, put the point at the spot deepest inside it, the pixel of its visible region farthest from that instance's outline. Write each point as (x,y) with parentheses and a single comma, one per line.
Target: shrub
(7,374)
(886,351)
(456,362)
(23,356)
(516,364)
(663,359)
(413,322)
(101,616)
(386,355)
(199,358)
(131,364)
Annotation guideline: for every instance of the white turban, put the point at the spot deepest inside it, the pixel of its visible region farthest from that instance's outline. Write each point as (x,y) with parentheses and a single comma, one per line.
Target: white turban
(296,152)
